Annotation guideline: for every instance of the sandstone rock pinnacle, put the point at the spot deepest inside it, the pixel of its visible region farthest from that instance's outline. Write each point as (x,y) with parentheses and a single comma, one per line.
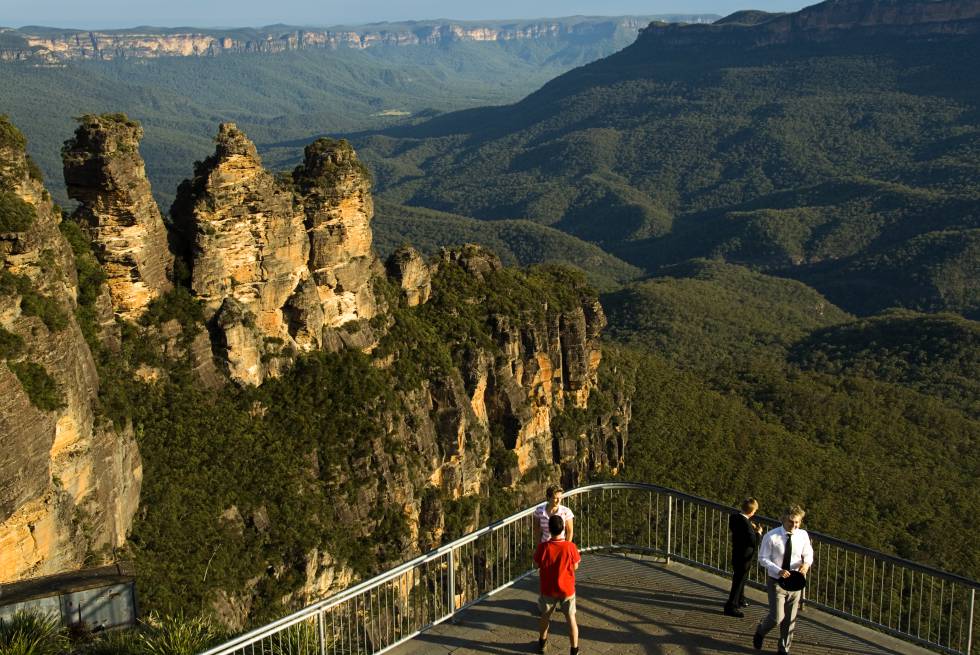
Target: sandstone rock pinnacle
(336,193)
(105,173)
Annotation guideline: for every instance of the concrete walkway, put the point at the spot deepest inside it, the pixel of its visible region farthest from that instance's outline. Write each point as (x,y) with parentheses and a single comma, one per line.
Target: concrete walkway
(632,606)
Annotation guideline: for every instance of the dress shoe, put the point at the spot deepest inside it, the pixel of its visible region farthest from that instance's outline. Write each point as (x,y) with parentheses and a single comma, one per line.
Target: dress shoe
(734,612)
(757,641)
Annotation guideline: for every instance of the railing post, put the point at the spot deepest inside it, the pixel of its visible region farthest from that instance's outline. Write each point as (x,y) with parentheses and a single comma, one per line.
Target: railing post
(670,524)
(969,629)
(452,582)
(323,637)
(612,504)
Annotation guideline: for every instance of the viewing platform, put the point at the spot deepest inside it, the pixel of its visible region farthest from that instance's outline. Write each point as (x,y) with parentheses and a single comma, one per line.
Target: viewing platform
(653,580)
(629,605)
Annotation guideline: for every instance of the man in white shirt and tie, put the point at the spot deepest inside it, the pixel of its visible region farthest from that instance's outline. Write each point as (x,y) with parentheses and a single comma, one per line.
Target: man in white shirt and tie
(779,561)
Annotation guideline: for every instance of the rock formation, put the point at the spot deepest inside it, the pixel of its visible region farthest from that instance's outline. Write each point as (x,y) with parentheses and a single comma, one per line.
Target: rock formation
(105,174)
(249,253)
(408,268)
(336,192)
(279,263)
(69,482)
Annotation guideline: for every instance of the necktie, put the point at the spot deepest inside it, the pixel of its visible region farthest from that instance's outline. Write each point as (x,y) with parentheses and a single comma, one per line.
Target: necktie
(788,554)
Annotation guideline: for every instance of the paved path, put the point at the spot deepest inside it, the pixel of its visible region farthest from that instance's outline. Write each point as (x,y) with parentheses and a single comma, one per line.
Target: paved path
(630,606)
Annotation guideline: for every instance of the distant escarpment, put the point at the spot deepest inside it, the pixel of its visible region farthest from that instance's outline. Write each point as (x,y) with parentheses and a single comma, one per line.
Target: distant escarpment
(57,45)
(69,479)
(828,21)
(305,414)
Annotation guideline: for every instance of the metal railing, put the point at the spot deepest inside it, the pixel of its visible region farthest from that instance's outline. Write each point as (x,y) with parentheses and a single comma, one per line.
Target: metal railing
(917,603)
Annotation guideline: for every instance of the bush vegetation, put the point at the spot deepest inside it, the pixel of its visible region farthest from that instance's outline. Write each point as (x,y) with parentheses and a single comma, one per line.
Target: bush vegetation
(41,388)
(32,633)
(15,214)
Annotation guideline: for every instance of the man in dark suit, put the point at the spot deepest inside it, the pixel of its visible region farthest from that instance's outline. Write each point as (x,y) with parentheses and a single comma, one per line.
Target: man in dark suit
(745,544)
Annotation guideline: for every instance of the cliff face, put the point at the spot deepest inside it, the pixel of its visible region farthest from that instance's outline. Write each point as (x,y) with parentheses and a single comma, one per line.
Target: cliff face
(74,45)
(69,483)
(278,269)
(831,20)
(475,380)
(104,172)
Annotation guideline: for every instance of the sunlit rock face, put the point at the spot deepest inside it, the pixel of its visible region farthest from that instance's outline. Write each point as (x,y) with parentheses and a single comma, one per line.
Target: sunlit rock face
(336,193)
(145,43)
(105,173)
(407,267)
(69,482)
(279,263)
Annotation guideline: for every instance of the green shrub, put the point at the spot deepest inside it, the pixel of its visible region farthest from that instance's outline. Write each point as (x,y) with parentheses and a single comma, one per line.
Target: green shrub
(33,303)
(41,388)
(32,633)
(11,344)
(177,635)
(46,309)
(15,214)
(113,642)
(34,170)
(10,136)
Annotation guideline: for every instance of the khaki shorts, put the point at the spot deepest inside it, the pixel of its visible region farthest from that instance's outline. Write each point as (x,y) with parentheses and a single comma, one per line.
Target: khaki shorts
(548,604)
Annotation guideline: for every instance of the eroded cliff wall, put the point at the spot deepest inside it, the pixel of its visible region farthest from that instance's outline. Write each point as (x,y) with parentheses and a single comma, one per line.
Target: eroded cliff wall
(393,405)
(66,45)
(69,482)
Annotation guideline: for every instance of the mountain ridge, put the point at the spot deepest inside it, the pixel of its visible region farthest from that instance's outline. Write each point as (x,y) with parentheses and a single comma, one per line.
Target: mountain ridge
(827,20)
(54,45)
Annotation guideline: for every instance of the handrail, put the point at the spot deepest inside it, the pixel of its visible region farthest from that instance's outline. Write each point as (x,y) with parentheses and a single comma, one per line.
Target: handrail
(825,538)
(376,615)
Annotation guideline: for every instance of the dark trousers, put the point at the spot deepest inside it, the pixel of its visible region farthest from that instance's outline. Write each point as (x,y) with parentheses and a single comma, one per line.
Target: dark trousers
(740,571)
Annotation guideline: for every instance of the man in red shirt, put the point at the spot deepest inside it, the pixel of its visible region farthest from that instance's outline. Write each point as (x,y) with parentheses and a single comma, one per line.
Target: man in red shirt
(557,560)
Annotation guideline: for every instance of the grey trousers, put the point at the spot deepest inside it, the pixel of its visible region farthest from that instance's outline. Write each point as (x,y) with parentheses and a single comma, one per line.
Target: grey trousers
(782,612)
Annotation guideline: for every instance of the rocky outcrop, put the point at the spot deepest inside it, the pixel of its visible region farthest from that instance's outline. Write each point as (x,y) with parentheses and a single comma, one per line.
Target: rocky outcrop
(248,249)
(69,482)
(547,363)
(412,274)
(73,45)
(104,172)
(335,189)
(499,403)
(280,264)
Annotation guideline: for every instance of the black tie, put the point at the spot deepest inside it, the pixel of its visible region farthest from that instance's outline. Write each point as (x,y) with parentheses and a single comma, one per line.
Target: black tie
(788,555)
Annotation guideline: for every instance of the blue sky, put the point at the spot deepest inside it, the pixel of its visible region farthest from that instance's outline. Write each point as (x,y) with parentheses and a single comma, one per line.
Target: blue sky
(90,14)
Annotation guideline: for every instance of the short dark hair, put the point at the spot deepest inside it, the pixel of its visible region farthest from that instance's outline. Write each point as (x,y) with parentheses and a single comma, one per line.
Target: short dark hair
(550,491)
(556,525)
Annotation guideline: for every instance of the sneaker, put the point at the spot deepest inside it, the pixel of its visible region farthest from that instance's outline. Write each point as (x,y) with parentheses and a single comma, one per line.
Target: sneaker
(757,640)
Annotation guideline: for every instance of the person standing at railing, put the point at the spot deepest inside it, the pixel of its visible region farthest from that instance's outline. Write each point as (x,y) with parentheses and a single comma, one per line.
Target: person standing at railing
(787,555)
(557,558)
(552,507)
(745,544)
